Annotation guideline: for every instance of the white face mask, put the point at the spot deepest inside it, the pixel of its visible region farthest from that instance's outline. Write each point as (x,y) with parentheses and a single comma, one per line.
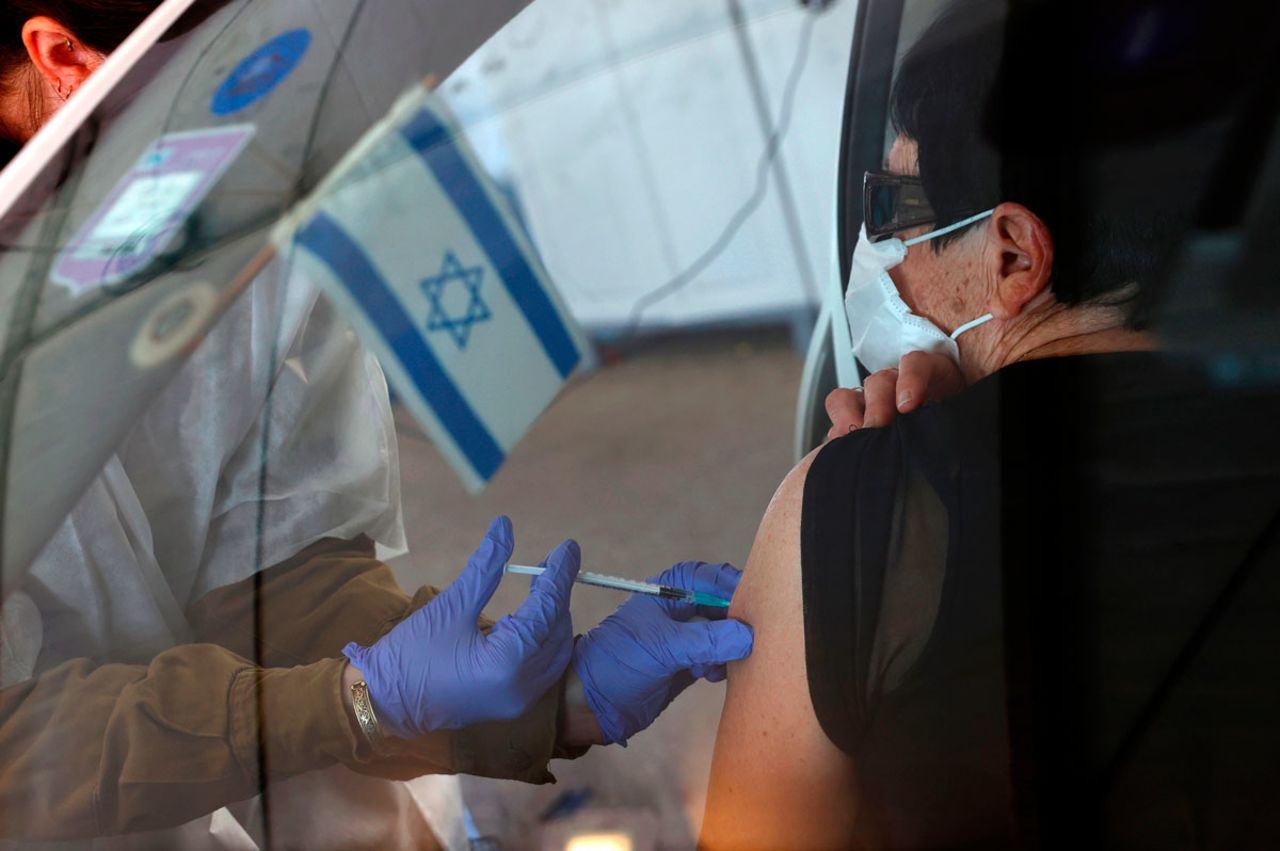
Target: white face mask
(883,329)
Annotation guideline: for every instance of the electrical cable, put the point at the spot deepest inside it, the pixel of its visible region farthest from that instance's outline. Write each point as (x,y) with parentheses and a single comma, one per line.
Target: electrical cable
(748,208)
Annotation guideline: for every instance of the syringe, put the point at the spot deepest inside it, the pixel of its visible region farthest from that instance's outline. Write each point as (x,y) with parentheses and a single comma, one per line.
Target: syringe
(631,585)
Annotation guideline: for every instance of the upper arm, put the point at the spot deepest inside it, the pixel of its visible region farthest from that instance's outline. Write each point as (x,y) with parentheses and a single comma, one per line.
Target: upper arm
(304,609)
(777,781)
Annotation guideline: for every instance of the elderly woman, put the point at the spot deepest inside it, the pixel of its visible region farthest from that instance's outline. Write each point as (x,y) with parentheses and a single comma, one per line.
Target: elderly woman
(963,617)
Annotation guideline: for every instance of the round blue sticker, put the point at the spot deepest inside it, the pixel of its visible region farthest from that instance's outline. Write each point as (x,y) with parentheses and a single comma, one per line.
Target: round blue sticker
(261,71)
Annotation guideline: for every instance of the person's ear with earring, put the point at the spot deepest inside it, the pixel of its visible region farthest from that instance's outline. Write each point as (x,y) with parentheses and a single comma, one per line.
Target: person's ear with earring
(59,61)
(71,49)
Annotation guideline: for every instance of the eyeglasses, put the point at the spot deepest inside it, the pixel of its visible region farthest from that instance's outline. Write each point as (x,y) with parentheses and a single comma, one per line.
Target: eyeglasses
(892,203)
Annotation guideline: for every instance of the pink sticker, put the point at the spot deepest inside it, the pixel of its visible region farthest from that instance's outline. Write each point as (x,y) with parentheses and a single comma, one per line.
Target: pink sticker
(148,207)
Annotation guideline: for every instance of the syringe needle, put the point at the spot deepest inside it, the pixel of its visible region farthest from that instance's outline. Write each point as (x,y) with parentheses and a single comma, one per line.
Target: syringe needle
(631,586)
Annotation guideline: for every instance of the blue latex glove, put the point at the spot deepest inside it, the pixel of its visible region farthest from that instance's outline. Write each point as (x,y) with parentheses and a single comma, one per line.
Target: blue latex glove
(639,658)
(437,671)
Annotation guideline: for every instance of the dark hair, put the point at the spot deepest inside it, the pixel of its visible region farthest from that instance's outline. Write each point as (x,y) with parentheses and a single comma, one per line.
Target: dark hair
(1009,102)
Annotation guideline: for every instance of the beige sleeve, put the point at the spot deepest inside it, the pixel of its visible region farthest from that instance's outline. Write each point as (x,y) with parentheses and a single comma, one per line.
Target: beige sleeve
(93,750)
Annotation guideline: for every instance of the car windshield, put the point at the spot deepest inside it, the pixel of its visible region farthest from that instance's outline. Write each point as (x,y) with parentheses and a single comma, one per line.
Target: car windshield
(375,273)
(493,425)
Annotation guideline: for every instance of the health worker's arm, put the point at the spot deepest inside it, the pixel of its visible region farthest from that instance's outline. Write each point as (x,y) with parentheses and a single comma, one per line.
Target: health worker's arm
(336,592)
(308,607)
(97,750)
(89,750)
(777,781)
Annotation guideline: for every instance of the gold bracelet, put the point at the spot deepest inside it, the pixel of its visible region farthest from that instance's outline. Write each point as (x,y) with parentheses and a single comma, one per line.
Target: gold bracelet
(363,707)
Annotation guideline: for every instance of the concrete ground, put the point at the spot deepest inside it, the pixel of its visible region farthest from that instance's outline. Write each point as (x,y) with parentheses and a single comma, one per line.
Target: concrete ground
(669,454)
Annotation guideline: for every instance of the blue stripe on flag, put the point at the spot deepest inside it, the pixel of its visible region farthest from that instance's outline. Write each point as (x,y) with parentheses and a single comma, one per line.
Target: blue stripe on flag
(353,268)
(434,143)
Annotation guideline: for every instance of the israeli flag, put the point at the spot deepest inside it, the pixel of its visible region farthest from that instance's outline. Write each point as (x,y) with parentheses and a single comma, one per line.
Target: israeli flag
(418,249)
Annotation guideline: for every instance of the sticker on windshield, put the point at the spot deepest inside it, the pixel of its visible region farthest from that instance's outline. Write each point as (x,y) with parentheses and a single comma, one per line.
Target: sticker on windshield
(261,72)
(148,207)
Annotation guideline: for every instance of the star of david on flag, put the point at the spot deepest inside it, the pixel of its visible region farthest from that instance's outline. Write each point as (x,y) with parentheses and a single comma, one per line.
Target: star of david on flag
(444,291)
(418,249)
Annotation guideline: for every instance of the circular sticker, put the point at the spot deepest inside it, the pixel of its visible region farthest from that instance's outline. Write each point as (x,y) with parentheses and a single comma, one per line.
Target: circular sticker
(261,72)
(176,323)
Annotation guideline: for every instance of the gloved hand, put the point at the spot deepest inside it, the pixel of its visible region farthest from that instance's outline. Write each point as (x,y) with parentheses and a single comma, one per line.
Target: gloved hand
(639,658)
(437,671)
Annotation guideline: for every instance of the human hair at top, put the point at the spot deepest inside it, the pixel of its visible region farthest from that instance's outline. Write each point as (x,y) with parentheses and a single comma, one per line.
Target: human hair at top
(999,115)
(99,24)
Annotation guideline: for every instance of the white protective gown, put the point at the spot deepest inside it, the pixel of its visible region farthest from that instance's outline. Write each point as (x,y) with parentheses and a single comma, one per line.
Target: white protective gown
(175,514)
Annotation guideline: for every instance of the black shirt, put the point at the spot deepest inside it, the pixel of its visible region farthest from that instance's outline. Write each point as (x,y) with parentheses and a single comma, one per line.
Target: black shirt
(1015,615)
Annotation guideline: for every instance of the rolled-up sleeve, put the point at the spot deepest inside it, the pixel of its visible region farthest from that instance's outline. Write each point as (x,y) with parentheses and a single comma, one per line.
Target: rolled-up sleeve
(307,608)
(91,750)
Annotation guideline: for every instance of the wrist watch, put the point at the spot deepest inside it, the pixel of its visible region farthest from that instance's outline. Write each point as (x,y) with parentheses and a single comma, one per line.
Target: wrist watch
(362,704)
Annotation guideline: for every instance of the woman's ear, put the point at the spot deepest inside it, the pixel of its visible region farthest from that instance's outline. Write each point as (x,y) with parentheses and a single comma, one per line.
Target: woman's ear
(62,61)
(1020,253)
